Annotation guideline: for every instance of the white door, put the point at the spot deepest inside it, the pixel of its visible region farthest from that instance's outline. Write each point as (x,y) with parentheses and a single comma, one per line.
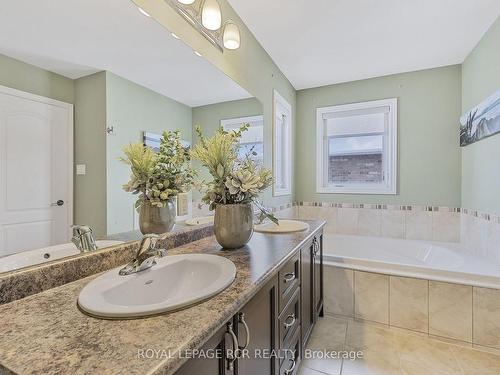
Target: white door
(36,179)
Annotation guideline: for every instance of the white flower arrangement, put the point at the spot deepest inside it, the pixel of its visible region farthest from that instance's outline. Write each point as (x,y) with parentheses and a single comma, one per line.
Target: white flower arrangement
(157,178)
(235,180)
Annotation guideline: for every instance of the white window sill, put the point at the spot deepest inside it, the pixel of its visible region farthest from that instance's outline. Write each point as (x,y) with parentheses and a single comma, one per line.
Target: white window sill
(353,190)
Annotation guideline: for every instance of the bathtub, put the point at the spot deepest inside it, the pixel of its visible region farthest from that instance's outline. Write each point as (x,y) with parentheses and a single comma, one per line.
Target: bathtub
(46,254)
(440,261)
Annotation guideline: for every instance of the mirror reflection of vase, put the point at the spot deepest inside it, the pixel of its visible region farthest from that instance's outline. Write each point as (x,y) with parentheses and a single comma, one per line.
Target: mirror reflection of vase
(157,220)
(233,225)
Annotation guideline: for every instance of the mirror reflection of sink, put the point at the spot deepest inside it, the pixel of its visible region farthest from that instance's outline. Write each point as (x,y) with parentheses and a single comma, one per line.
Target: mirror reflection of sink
(45,254)
(175,282)
(200,220)
(284,226)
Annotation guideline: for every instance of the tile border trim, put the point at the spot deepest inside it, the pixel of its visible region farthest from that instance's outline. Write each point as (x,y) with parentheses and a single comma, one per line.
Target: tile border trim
(418,208)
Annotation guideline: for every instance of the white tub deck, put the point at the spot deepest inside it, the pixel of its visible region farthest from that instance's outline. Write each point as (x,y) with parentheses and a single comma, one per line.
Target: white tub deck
(441,261)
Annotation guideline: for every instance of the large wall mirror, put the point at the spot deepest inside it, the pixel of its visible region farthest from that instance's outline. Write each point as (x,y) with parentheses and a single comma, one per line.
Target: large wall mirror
(76,87)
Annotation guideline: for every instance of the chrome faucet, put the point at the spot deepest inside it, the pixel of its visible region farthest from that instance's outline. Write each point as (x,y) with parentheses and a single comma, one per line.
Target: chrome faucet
(83,238)
(145,257)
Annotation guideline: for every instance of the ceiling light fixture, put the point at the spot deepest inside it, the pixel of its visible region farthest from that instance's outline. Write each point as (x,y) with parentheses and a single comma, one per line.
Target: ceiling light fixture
(206,17)
(197,54)
(144,12)
(231,35)
(175,36)
(211,16)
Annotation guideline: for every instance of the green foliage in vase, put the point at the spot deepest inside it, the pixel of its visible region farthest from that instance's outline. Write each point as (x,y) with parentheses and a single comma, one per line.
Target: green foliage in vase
(236,180)
(157,178)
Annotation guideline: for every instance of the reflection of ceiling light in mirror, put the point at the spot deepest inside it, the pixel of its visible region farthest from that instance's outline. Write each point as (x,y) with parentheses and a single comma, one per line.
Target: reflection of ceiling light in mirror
(231,36)
(187,2)
(211,16)
(144,12)
(175,36)
(197,53)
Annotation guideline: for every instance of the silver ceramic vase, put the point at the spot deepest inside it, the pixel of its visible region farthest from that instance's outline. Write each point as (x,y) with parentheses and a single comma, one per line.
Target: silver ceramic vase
(157,220)
(233,225)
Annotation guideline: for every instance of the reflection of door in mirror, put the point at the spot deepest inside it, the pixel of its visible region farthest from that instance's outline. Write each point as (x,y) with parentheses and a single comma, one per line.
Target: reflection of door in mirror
(36,139)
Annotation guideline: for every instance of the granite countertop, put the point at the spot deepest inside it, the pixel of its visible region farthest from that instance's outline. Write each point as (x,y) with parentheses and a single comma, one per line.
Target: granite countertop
(46,333)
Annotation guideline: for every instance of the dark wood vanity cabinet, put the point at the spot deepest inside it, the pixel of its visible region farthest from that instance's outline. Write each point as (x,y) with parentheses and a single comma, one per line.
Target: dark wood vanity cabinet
(257,332)
(221,362)
(253,332)
(317,275)
(307,293)
(272,329)
(312,284)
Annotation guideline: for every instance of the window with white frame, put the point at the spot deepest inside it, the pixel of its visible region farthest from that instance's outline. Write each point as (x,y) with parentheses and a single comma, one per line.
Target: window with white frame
(252,141)
(357,148)
(282,146)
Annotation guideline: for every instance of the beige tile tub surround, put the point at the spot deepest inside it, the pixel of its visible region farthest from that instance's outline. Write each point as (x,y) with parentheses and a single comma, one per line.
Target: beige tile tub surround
(486,308)
(393,224)
(369,223)
(409,303)
(409,222)
(446,226)
(339,295)
(461,314)
(450,310)
(418,225)
(347,220)
(371,296)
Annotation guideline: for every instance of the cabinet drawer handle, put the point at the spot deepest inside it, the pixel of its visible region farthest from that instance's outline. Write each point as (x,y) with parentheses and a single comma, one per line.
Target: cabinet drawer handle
(315,246)
(290,370)
(290,321)
(289,277)
(231,358)
(241,319)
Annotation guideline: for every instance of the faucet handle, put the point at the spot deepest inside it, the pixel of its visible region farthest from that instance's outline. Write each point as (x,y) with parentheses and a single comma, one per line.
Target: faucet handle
(148,242)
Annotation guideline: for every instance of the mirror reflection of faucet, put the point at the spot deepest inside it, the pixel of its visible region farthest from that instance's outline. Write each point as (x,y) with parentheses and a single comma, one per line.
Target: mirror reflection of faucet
(146,256)
(83,238)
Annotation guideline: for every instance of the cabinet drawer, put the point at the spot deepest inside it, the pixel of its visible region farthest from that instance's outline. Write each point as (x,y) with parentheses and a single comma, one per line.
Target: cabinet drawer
(289,280)
(291,362)
(289,321)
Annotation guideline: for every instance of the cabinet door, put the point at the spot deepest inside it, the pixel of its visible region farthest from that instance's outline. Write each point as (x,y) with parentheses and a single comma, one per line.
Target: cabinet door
(306,292)
(221,347)
(318,275)
(257,331)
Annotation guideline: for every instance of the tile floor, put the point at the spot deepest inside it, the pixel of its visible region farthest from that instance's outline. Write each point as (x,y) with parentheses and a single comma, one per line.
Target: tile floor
(389,351)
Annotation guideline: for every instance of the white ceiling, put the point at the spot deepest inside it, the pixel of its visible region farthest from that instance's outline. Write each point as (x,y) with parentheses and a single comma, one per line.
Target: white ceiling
(78,37)
(322,42)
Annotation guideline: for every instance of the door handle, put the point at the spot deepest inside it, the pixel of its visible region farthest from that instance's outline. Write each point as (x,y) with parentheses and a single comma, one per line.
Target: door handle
(290,370)
(289,277)
(241,319)
(290,321)
(231,357)
(60,202)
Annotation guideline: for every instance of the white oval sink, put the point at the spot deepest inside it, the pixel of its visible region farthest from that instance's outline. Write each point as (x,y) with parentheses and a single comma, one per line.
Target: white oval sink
(45,254)
(284,226)
(200,220)
(175,282)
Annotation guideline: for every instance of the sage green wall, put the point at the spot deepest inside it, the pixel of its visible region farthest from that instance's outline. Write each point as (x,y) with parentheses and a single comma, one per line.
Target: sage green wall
(250,66)
(481,160)
(209,116)
(132,109)
(21,76)
(90,149)
(429,156)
